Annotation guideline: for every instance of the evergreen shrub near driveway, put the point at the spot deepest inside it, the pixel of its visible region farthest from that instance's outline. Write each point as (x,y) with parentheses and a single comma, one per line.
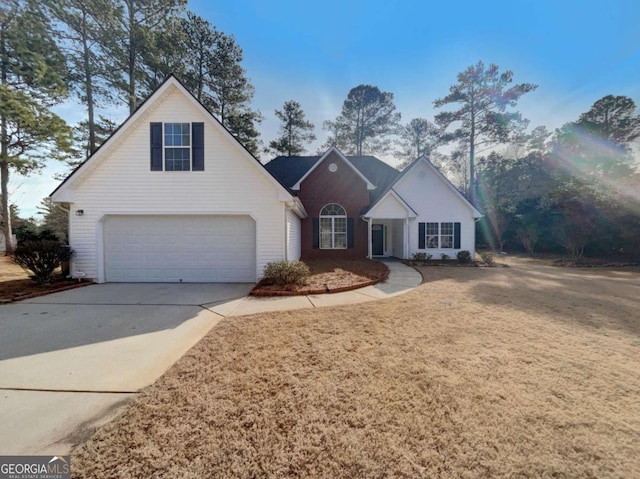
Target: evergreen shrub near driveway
(41,257)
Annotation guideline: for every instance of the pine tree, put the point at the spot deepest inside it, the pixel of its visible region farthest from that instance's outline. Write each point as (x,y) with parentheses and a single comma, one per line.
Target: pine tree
(295,130)
(482,116)
(32,69)
(368,117)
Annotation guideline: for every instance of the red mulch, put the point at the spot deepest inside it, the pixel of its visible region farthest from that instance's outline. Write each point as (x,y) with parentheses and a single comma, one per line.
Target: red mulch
(330,276)
(15,284)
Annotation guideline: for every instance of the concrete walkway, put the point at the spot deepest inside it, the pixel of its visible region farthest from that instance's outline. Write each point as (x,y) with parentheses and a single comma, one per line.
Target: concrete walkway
(70,361)
(401,279)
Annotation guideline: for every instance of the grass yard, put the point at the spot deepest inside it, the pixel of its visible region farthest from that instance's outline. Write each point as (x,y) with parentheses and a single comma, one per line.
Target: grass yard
(528,371)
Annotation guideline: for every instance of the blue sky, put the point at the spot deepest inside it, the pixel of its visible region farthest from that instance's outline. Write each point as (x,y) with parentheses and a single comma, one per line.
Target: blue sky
(315,52)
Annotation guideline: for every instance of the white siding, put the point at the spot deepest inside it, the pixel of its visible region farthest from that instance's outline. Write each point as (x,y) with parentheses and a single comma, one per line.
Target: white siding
(389,207)
(434,201)
(294,239)
(122,183)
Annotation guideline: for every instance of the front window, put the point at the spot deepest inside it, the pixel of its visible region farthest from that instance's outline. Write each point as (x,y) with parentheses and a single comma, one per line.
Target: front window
(433,233)
(177,146)
(446,235)
(333,227)
(439,235)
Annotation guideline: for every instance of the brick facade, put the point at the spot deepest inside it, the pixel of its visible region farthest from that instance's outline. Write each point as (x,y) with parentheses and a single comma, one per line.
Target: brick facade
(345,187)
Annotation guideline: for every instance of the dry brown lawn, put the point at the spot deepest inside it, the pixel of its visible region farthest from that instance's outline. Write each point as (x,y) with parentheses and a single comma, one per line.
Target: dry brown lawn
(528,371)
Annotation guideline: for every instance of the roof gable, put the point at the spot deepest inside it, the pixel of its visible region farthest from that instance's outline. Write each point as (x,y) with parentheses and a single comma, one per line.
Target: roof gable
(333,150)
(62,192)
(440,177)
(389,205)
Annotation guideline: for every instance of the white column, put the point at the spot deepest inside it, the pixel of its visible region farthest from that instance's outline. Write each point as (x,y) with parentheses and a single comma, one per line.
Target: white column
(405,254)
(369,250)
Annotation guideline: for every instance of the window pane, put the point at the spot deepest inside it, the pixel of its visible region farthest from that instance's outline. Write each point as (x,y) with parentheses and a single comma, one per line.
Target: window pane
(432,235)
(325,240)
(446,235)
(333,209)
(340,225)
(177,134)
(340,240)
(177,159)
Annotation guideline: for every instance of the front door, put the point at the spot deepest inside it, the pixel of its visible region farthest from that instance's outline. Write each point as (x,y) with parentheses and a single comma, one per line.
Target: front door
(377,239)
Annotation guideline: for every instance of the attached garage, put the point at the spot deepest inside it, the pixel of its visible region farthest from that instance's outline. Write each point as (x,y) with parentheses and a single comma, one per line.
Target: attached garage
(179,248)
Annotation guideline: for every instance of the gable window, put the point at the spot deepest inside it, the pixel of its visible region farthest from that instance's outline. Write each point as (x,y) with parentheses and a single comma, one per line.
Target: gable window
(177,146)
(434,235)
(333,227)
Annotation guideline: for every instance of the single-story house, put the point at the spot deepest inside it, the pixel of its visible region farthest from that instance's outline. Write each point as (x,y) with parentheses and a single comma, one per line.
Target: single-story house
(172,196)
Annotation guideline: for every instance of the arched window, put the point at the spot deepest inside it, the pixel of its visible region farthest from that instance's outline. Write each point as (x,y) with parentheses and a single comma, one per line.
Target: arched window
(333,227)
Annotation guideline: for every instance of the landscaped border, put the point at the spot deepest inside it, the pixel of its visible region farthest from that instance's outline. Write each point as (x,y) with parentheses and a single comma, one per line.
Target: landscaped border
(36,294)
(327,289)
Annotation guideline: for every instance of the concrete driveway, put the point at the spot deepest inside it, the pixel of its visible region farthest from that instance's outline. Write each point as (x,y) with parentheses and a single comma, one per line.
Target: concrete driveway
(67,360)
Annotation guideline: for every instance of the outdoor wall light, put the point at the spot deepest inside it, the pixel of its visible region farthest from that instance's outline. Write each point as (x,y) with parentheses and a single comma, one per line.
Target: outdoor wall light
(79,212)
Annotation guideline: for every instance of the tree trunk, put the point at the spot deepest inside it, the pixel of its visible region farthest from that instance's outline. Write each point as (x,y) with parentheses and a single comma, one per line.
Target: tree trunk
(472,153)
(88,84)
(4,154)
(132,59)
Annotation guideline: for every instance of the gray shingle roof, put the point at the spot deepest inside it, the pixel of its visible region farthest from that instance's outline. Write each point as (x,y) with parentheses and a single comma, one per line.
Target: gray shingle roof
(289,169)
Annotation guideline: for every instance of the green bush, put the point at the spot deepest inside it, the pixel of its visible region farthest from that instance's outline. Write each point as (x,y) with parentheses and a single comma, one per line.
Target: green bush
(41,257)
(487,258)
(444,256)
(284,273)
(420,258)
(464,256)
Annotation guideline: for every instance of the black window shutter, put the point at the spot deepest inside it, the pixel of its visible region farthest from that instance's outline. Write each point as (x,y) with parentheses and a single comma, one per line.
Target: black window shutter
(456,235)
(350,240)
(421,236)
(197,148)
(316,232)
(156,146)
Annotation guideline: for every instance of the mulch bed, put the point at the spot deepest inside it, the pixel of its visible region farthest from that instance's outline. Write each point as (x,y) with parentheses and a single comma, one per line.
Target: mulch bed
(19,289)
(330,277)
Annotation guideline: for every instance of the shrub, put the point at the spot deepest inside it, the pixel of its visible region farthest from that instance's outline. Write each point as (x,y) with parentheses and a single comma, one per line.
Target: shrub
(41,257)
(420,258)
(464,256)
(284,273)
(444,256)
(487,258)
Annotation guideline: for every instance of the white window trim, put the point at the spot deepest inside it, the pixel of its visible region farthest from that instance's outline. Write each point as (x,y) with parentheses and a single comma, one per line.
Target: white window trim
(165,147)
(333,228)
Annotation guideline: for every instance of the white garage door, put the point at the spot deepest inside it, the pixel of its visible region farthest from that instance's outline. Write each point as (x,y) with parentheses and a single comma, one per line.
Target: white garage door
(193,249)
